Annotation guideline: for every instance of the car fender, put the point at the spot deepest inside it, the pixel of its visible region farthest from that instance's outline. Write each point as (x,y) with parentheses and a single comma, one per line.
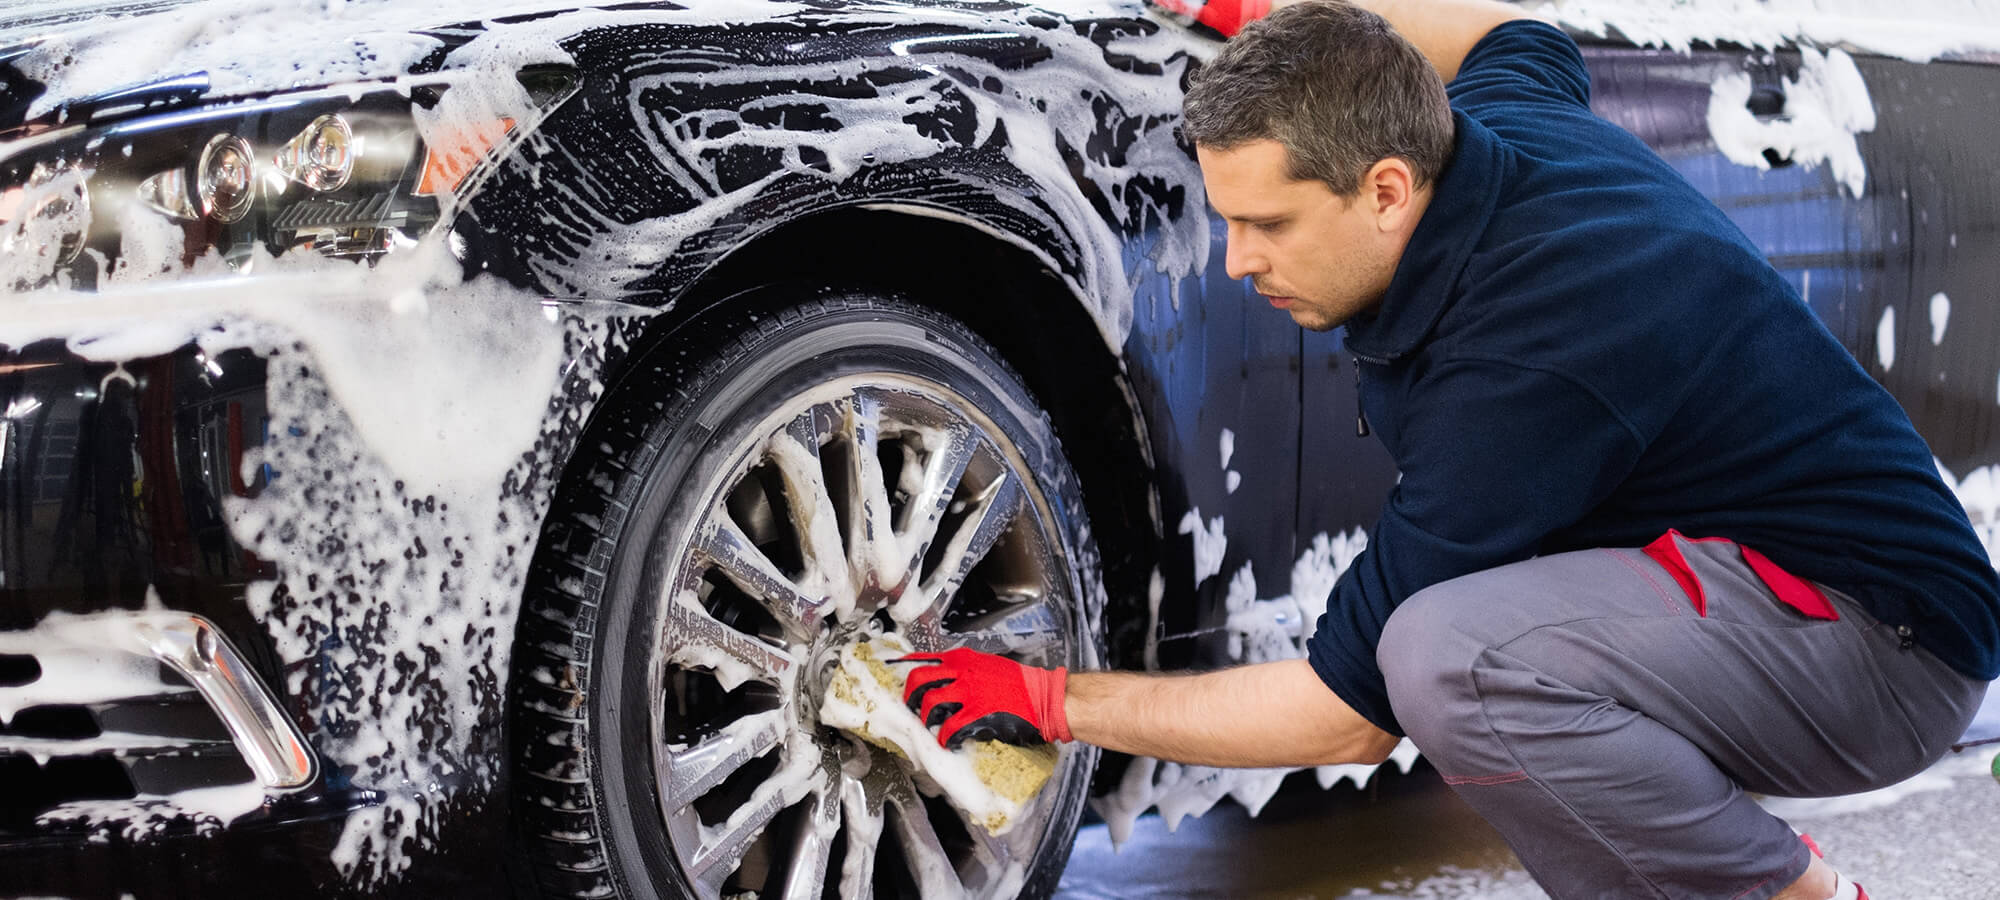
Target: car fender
(684,143)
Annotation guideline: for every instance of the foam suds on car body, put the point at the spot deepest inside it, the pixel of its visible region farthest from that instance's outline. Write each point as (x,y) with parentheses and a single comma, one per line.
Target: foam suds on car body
(1917,30)
(244,45)
(1826,106)
(401,520)
(1180,791)
(1037,108)
(1210,543)
(1256,630)
(402,575)
(1885,339)
(150,816)
(79,665)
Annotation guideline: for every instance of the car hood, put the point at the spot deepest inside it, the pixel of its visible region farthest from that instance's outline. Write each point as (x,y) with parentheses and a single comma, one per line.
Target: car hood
(71,60)
(28,21)
(59,59)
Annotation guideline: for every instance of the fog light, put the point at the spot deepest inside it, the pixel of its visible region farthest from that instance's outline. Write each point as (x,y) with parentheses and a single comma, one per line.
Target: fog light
(320,157)
(226,178)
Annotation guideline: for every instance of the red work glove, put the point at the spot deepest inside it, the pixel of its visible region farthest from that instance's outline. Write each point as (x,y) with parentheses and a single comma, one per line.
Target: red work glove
(983,697)
(1225,16)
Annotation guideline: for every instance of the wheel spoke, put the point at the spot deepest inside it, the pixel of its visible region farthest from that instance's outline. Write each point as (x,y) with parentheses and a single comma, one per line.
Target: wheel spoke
(813,846)
(932,866)
(690,630)
(696,770)
(994,511)
(864,834)
(994,857)
(730,550)
(1019,631)
(723,847)
(926,632)
(926,507)
(871,532)
(812,514)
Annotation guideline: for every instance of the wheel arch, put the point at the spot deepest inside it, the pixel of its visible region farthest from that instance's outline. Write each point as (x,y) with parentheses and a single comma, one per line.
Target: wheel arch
(1012,297)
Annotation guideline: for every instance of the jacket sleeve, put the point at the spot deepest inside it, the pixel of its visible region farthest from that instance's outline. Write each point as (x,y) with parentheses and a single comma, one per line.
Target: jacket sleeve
(1494,456)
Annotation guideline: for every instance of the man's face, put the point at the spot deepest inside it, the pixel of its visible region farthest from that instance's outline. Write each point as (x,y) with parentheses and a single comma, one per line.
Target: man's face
(1320,256)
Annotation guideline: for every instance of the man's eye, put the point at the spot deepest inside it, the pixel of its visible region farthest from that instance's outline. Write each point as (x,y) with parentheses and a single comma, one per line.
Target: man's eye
(1268,227)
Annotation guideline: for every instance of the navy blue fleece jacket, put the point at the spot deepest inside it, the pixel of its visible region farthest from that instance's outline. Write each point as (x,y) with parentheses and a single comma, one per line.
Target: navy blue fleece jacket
(1579,350)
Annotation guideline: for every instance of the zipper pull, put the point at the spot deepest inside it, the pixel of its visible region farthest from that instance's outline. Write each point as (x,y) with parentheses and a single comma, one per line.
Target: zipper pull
(1360,415)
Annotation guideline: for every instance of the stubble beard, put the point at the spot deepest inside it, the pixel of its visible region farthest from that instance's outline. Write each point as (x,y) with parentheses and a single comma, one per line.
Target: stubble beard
(1313,320)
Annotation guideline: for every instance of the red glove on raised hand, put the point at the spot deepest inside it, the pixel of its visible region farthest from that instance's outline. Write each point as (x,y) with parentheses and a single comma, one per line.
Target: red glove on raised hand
(982,697)
(1225,16)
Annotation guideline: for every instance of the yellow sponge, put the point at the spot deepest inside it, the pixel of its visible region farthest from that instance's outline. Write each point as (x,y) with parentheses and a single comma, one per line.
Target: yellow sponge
(990,781)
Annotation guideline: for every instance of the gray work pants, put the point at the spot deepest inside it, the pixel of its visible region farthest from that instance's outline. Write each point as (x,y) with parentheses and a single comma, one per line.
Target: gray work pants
(1580,705)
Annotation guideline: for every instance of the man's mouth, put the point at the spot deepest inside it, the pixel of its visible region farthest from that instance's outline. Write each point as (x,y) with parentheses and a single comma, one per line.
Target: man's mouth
(1279,302)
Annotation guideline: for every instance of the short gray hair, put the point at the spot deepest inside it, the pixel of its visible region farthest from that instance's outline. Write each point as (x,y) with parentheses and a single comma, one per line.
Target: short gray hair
(1333,84)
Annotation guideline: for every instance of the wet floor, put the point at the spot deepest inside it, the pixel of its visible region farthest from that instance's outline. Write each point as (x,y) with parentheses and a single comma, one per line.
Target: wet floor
(1403,834)
(1408,836)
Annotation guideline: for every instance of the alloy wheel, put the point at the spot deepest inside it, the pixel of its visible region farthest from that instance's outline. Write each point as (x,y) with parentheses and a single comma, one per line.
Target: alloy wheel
(873,503)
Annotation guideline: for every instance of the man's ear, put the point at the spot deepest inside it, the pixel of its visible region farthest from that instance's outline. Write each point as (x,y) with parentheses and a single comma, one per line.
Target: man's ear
(1390,189)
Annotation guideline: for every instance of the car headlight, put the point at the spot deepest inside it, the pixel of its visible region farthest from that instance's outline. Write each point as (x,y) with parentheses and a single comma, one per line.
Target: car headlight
(342,173)
(322,156)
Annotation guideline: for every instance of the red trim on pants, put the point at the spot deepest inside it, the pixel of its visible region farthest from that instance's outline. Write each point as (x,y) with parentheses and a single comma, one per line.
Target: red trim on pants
(1791,590)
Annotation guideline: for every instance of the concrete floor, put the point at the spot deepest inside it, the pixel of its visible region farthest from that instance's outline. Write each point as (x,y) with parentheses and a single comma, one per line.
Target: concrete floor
(1408,836)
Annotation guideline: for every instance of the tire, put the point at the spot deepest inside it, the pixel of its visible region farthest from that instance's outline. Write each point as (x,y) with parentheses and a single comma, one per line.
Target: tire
(630,708)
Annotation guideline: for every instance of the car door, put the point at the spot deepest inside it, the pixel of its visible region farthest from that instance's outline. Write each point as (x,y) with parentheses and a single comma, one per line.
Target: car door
(1883,226)
(1217,372)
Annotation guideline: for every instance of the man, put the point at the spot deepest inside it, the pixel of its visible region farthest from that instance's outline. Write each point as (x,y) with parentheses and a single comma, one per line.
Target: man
(1576,360)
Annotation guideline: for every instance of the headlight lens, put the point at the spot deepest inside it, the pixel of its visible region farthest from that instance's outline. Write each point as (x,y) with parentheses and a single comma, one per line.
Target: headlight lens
(167,193)
(320,157)
(226,183)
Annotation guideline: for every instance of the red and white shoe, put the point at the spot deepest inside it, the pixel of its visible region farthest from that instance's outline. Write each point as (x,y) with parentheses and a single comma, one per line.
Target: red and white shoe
(1842,888)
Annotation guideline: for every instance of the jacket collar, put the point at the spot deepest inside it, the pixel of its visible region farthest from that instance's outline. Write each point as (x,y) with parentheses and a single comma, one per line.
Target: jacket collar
(1427,276)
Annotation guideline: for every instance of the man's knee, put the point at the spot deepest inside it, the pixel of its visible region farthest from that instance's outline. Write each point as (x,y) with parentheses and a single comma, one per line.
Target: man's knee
(1427,657)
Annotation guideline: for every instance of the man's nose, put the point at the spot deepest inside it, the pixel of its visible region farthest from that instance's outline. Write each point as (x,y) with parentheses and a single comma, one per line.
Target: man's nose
(1243,259)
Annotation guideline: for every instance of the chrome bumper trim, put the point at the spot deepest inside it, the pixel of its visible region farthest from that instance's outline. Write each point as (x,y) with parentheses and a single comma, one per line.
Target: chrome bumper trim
(193,647)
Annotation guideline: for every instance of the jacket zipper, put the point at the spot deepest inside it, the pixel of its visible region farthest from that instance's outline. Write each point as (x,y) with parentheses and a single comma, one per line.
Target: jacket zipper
(1360,415)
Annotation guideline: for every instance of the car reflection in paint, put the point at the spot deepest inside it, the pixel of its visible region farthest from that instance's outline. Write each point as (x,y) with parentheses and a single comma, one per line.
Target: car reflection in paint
(441,443)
